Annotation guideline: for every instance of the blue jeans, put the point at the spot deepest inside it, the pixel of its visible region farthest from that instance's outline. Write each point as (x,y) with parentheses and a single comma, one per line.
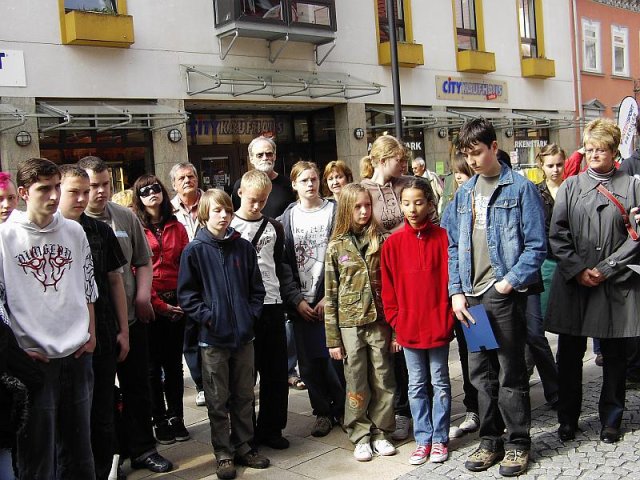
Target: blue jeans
(431,416)
(6,468)
(57,434)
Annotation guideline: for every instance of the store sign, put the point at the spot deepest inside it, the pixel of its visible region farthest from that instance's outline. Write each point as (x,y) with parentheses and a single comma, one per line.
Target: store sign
(12,71)
(530,143)
(457,88)
(223,129)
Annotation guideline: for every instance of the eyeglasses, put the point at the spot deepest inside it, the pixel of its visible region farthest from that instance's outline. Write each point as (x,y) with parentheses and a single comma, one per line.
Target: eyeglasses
(150,190)
(599,151)
(264,154)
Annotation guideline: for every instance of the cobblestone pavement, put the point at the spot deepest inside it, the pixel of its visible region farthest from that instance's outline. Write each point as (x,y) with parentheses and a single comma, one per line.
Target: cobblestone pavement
(586,457)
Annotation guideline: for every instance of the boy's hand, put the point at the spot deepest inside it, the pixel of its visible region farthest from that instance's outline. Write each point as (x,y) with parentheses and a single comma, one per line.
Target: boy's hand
(122,340)
(337,353)
(144,310)
(174,313)
(503,287)
(459,306)
(88,347)
(37,356)
(395,347)
(306,312)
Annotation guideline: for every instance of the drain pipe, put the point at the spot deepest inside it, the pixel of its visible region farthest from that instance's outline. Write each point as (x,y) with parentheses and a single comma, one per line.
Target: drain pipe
(577,58)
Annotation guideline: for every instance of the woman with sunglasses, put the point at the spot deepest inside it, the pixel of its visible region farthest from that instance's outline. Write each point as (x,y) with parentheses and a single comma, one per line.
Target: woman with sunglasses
(167,238)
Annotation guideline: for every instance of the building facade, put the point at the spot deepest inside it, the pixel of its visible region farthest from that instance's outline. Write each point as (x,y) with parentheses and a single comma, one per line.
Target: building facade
(145,87)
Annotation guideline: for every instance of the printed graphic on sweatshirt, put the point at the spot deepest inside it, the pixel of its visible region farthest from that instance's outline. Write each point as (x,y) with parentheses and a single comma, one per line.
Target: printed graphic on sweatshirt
(47,263)
(310,245)
(390,214)
(481,204)
(90,286)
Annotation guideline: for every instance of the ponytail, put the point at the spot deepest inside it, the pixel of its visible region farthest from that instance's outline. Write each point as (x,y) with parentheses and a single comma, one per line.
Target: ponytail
(366,167)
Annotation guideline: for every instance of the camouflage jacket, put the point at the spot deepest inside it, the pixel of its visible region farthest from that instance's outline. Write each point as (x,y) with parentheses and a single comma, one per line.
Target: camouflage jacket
(352,287)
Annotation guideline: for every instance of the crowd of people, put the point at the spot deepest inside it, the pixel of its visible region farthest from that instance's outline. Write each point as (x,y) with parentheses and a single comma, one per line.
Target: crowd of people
(362,285)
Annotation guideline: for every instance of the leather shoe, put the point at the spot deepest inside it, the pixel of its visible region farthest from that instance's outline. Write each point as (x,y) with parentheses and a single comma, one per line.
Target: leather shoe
(154,462)
(566,432)
(610,434)
(277,442)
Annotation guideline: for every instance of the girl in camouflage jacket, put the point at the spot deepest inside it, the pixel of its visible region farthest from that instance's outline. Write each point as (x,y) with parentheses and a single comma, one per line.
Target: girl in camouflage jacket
(355,328)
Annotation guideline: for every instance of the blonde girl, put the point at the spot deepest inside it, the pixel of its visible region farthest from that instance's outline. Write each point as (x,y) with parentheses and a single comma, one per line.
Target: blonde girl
(355,327)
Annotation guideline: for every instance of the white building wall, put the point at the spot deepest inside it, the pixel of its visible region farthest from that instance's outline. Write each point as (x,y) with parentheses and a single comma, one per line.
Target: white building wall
(182,32)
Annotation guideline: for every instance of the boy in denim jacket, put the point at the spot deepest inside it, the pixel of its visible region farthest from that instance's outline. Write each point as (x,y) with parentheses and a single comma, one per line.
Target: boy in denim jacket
(496,247)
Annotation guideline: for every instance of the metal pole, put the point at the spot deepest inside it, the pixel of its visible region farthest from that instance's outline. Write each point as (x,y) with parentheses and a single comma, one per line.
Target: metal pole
(395,73)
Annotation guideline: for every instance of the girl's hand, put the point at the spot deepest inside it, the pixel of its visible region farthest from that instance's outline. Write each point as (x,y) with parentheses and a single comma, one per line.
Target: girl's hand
(174,313)
(306,312)
(395,347)
(337,353)
(320,309)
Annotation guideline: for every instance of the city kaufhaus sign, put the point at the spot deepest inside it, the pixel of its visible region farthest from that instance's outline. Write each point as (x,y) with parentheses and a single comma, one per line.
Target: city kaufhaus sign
(470,89)
(12,72)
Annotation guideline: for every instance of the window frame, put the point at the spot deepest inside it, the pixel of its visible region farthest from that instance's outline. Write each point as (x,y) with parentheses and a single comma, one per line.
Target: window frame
(110,6)
(595,26)
(532,41)
(618,30)
(402,21)
(471,33)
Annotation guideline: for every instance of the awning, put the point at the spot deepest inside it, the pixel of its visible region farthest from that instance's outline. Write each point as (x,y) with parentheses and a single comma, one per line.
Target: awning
(105,115)
(454,118)
(275,83)
(11,117)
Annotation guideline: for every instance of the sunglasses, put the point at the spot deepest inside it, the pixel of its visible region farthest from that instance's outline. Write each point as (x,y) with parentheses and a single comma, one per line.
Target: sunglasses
(150,190)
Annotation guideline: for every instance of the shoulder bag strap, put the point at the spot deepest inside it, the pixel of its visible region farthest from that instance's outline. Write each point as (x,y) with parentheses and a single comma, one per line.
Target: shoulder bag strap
(632,233)
(260,231)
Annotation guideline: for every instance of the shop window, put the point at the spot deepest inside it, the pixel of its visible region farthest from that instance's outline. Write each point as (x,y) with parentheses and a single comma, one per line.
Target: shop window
(528,37)
(466,31)
(591,55)
(620,50)
(383,21)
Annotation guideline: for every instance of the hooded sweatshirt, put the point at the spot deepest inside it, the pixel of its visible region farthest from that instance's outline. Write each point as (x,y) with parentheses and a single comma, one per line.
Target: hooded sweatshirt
(220,288)
(47,276)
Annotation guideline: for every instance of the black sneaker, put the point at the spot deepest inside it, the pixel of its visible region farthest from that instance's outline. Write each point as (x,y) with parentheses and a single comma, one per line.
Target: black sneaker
(226,469)
(180,432)
(277,442)
(154,462)
(164,433)
(322,426)
(252,459)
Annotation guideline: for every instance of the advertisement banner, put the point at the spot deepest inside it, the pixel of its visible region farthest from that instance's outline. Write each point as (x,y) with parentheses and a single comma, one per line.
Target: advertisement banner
(627,115)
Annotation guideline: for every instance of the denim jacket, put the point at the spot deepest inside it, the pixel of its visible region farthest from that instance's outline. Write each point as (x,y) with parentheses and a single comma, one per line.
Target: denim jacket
(515,233)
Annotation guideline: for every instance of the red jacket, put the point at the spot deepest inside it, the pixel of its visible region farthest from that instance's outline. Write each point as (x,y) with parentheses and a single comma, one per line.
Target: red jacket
(414,286)
(166,259)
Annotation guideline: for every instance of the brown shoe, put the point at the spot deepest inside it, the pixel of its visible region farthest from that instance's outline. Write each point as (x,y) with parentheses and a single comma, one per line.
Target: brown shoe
(481,459)
(226,469)
(515,463)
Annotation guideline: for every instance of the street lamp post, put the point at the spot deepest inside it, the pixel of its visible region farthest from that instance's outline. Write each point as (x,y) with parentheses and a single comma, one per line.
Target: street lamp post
(395,73)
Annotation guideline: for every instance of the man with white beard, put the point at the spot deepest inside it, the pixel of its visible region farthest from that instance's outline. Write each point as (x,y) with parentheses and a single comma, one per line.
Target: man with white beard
(262,155)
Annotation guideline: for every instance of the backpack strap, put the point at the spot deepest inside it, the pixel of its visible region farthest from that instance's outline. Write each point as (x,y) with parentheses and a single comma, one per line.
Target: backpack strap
(632,233)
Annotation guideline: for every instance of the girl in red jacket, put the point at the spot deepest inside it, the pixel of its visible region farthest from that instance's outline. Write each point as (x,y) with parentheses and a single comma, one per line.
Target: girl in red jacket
(167,238)
(416,305)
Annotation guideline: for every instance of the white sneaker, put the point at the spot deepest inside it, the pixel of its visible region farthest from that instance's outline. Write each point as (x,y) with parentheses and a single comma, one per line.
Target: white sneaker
(403,424)
(455,432)
(200,400)
(471,422)
(363,452)
(383,447)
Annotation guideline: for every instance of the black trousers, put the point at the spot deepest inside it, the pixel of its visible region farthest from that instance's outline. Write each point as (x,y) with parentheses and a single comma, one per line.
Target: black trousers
(103,433)
(470,400)
(571,350)
(136,436)
(165,368)
(270,346)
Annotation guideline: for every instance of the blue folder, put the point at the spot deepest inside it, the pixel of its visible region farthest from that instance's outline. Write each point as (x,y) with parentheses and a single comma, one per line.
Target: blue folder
(479,336)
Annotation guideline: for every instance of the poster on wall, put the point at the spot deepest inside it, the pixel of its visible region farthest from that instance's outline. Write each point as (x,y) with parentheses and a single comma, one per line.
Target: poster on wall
(12,72)
(627,115)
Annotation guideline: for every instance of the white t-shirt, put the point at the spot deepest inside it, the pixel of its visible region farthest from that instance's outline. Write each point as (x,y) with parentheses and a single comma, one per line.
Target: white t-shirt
(266,254)
(46,276)
(311,233)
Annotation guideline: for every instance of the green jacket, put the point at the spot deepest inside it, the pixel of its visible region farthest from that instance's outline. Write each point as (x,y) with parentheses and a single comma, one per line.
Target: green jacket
(352,287)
